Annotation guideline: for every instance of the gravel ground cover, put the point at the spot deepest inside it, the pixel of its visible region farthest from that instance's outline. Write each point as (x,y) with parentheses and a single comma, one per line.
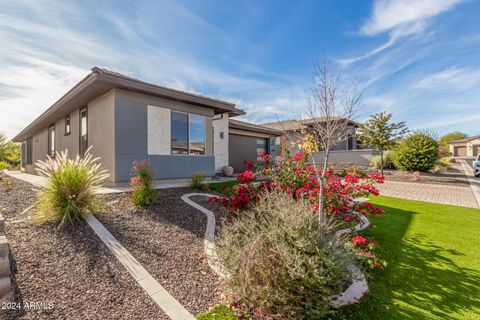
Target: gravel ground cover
(167,238)
(70,271)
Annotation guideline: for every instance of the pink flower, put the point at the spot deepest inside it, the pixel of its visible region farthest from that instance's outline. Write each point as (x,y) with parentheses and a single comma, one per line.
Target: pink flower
(360,241)
(260,154)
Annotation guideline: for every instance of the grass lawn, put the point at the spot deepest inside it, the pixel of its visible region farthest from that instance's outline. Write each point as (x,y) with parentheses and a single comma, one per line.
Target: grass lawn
(433,252)
(219,186)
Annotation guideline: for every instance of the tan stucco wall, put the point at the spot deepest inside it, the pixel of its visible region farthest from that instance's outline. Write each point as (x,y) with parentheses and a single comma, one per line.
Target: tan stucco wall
(101,130)
(39,149)
(68,142)
(470,145)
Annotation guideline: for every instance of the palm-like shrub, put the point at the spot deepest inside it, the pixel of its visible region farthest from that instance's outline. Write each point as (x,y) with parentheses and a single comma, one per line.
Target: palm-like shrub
(197,181)
(283,263)
(143,192)
(70,192)
(418,152)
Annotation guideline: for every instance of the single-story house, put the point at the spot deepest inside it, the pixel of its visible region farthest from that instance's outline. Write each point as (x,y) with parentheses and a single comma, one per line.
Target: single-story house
(294,130)
(346,152)
(466,147)
(124,119)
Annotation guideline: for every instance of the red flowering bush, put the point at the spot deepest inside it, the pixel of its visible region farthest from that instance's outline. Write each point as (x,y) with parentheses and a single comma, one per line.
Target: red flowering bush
(142,183)
(365,251)
(246,177)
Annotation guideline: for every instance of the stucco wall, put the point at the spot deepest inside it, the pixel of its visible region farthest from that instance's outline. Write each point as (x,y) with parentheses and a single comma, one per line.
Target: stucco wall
(131,138)
(101,130)
(360,157)
(470,146)
(220,141)
(68,142)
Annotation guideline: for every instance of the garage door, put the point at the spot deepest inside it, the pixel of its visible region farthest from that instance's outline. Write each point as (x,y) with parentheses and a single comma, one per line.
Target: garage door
(476,150)
(241,148)
(460,151)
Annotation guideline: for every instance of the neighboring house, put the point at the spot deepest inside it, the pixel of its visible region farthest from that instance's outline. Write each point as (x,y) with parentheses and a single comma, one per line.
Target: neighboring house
(125,119)
(346,151)
(247,139)
(294,130)
(466,147)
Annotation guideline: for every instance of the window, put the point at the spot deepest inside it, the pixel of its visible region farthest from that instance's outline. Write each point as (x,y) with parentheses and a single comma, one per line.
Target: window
(179,136)
(83,132)
(28,150)
(67,125)
(187,133)
(197,134)
(51,141)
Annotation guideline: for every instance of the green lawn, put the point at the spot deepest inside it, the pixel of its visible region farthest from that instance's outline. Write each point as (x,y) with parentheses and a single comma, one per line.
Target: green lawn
(433,252)
(217,186)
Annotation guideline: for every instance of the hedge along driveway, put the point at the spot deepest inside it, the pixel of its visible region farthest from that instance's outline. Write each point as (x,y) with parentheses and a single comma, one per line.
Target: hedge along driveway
(434,263)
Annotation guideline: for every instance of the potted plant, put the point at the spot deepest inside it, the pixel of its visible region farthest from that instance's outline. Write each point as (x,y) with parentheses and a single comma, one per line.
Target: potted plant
(227,171)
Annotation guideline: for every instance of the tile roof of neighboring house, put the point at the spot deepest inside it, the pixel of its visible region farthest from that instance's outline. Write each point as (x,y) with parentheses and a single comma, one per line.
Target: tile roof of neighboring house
(291,125)
(241,125)
(100,81)
(465,139)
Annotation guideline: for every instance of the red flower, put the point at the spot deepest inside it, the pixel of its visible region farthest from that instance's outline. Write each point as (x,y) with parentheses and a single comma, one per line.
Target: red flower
(359,240)
(246,177)
(260,154)
(377,264)
(248,164)
(298,156)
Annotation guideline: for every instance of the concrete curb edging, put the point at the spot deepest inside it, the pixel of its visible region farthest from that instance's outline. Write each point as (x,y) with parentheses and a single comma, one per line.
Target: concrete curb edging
(155,290)
(5,282)
(209,246)
(351,295)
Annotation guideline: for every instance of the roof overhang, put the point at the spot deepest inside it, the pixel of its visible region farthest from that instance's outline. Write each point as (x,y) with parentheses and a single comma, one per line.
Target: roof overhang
(99,82)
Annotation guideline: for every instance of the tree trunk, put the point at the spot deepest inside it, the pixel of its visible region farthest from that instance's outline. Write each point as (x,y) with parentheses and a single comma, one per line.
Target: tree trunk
(381,161)
(322,185)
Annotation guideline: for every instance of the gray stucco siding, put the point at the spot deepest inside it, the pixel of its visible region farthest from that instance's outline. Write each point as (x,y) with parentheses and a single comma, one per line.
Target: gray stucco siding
(131,138)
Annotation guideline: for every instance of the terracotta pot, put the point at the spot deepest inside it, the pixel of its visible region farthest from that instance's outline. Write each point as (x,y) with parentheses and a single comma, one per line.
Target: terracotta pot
(227,171)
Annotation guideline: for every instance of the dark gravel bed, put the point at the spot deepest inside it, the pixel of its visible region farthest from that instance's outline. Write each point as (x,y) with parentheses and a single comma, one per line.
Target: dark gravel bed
(168,240)
(70,271)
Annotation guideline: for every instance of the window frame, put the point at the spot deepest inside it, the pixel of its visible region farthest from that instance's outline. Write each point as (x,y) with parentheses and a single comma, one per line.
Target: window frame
(68,128)
(29,150)
(82,152)
(188,134)
(51,146)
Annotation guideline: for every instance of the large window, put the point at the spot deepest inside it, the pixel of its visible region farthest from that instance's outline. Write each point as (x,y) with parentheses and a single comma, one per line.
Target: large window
(27,152)
(83,132)
(187,133)
(197,134)
(51,141)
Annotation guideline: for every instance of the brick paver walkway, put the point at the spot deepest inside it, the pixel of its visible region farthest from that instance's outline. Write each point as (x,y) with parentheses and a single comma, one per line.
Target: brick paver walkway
(447,194)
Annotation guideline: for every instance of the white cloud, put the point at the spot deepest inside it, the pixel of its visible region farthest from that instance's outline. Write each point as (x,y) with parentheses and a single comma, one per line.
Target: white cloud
(399,18)
(404,17)
(50,50)
(453,78)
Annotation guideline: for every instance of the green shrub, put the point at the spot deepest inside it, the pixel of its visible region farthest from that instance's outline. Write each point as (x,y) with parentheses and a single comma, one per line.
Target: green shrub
(416,153)
(220,312)
(143,192)
(353,171)
(197,181)
(375,162)
(69,195)
(444,163)
(4,165)
(282,262)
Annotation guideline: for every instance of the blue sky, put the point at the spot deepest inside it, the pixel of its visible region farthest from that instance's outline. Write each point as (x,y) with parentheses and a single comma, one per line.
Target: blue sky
(417,59)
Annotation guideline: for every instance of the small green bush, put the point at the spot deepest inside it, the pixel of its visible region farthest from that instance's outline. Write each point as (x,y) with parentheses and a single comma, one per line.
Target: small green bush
(375,162)
(353,171)
(143,192)
(281,261)
(69,195)
(4,165)
(416,153)
(197,181)
(444,163)
(220,312)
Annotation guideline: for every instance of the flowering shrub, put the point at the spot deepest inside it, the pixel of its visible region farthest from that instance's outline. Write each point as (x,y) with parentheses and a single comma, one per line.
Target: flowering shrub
(142,183)
(365,251)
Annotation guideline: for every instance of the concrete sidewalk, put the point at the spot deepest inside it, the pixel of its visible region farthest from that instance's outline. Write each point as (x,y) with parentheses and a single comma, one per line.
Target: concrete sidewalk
(445,194)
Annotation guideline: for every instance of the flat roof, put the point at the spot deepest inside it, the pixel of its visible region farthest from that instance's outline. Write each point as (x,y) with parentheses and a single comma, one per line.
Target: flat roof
(242,125)
(100,81)
(292,125)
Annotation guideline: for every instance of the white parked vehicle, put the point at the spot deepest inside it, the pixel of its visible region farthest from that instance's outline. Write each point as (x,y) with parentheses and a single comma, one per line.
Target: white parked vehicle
(476,166)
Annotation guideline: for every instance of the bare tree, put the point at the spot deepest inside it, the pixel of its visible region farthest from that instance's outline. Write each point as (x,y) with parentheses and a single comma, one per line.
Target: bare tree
(331,104)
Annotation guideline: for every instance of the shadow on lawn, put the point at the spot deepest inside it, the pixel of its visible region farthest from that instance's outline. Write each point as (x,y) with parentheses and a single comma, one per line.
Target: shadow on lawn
(421,279)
